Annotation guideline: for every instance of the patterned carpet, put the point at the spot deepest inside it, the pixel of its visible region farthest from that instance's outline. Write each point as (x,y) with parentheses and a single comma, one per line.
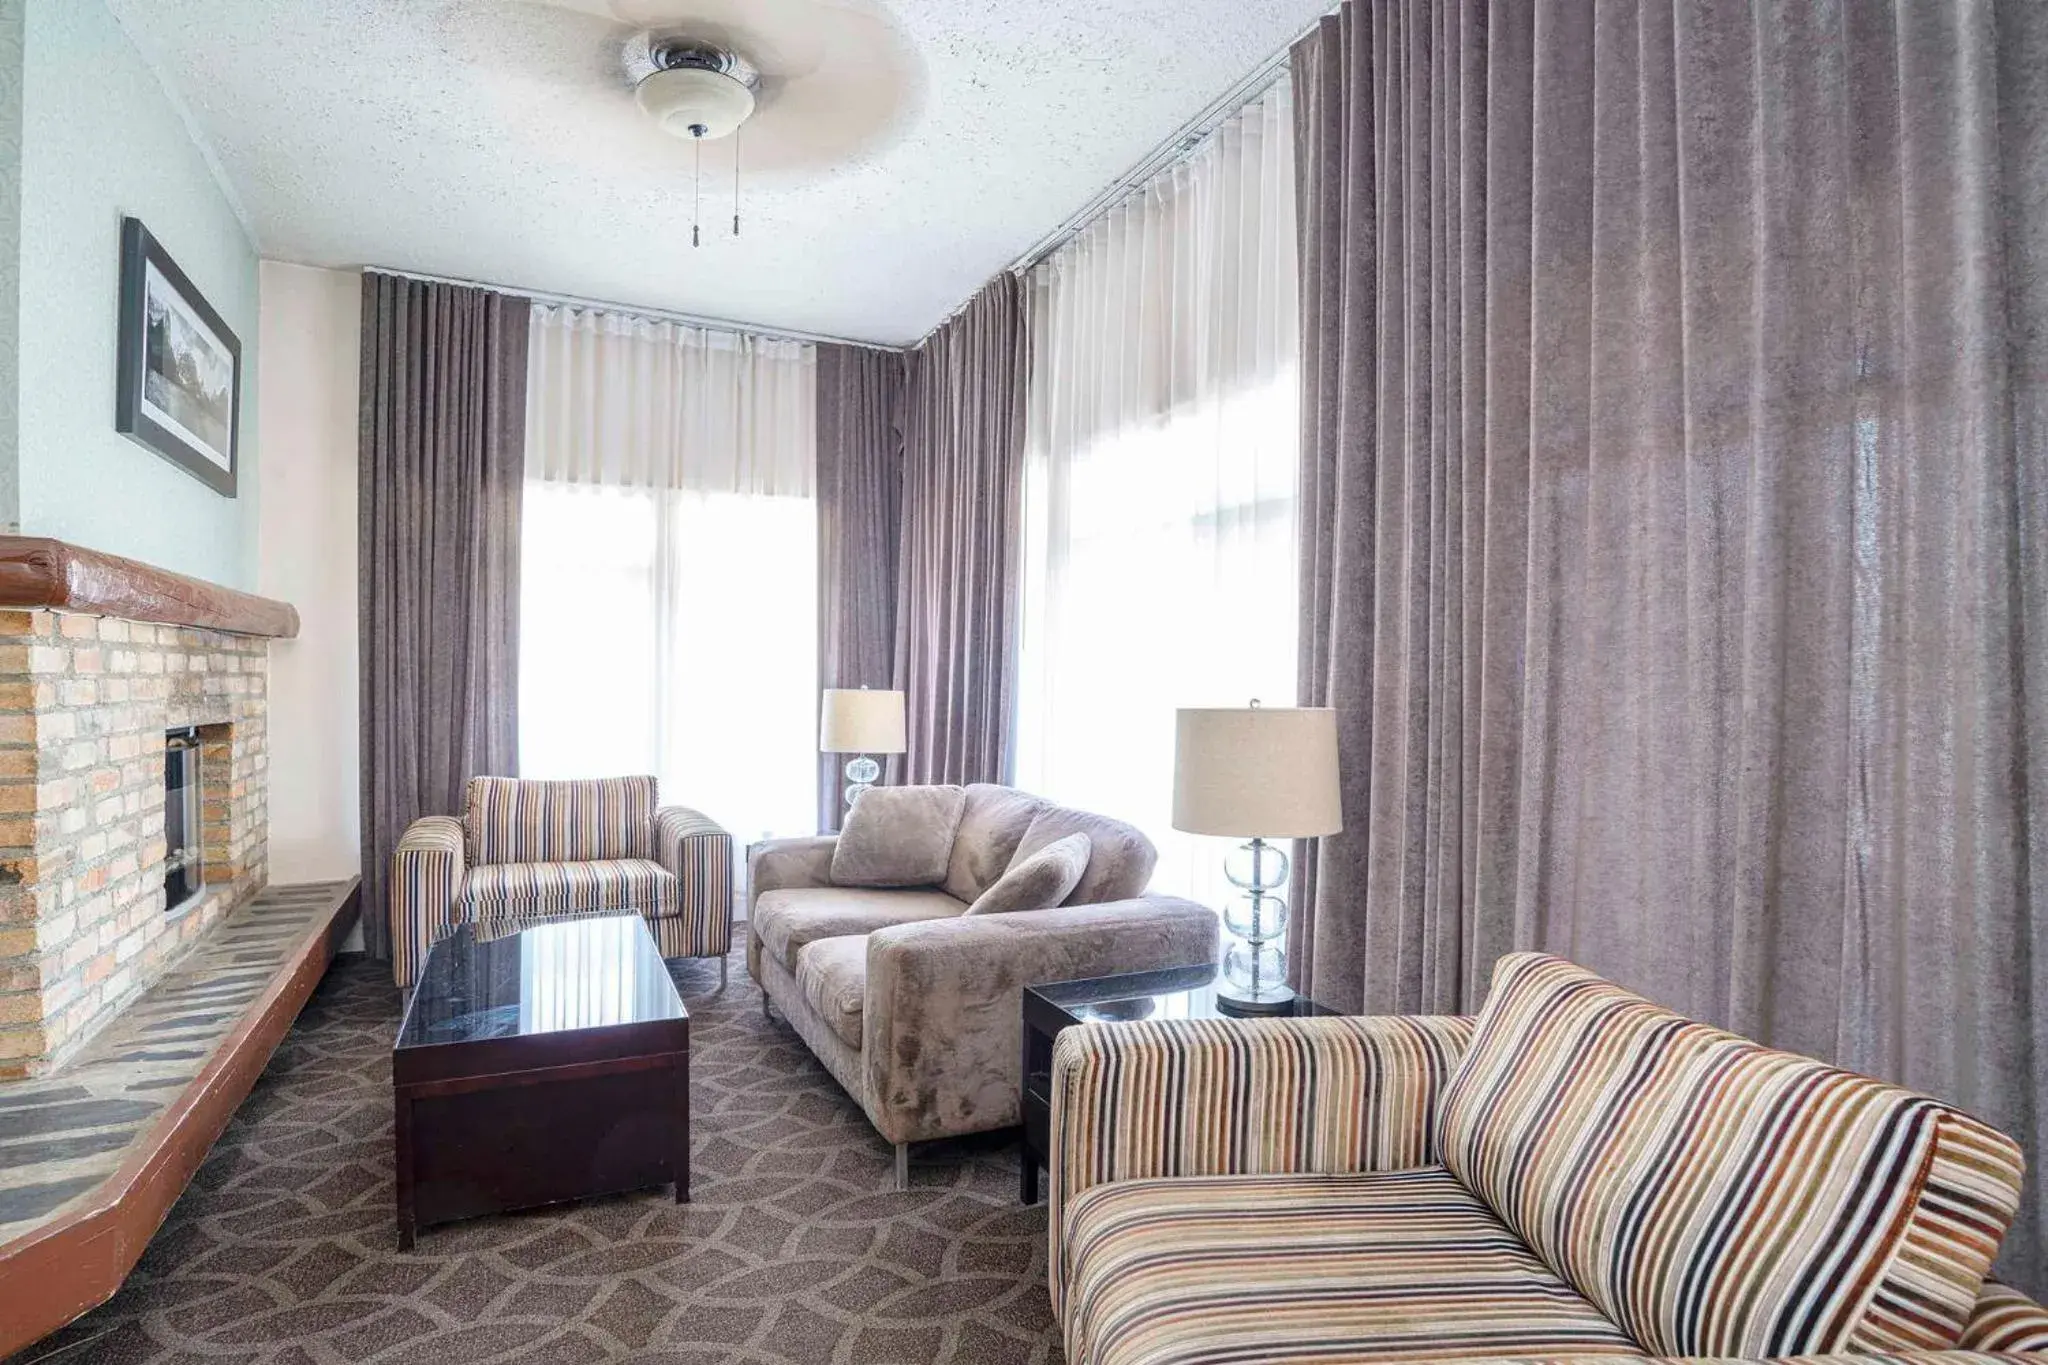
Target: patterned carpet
(795,1249)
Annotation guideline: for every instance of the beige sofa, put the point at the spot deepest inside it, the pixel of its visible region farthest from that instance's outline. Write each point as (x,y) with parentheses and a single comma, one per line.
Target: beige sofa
(916,1006)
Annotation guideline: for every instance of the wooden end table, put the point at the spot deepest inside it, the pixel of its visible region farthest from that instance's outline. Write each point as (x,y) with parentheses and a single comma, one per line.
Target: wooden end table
(1176,993)
(546,1063)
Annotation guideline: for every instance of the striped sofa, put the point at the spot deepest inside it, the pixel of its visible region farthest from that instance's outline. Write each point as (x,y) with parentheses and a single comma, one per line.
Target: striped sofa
(1575,1173)
(524,849)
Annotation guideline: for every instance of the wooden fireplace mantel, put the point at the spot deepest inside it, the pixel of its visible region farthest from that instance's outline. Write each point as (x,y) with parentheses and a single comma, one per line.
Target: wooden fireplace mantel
(36,571)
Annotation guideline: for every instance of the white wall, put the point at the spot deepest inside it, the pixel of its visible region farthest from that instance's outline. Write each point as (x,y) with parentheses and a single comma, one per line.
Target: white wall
(306,541)
(100,139)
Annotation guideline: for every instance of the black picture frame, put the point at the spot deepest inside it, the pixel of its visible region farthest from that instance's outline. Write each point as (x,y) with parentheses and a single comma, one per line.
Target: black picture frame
(169,382)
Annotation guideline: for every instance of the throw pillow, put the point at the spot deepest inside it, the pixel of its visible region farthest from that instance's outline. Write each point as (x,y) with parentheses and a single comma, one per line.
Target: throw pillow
(898,836)
(991,825)
(1120,860)
(1040,881)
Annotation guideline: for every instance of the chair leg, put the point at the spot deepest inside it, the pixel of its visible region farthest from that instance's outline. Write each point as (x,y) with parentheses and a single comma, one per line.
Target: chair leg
(902,1165)
(764,1006)
(723,964)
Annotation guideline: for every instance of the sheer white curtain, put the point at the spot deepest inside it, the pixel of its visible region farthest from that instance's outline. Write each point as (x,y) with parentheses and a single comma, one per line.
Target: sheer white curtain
(668,598)
(1160,461)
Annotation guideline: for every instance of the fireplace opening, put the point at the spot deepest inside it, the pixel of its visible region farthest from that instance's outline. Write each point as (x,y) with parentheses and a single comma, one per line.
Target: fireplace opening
(184,870)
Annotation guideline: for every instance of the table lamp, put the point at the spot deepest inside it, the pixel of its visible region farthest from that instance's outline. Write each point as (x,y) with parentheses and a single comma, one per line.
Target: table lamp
(861,722)
(1266,772)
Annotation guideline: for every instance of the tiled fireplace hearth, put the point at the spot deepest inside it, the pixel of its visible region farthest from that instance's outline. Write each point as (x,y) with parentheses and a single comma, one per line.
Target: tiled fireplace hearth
(86,704)
(146,970)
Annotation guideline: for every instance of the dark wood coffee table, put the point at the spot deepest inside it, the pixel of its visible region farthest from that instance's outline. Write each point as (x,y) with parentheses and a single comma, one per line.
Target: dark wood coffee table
(1175,993)
(545,1063)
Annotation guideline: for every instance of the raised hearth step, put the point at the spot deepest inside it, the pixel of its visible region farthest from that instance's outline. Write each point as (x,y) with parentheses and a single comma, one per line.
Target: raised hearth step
(93,1156)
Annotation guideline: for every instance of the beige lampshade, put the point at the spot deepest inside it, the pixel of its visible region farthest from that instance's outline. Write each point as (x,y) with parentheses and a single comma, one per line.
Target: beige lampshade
(860,721)
(1265,772)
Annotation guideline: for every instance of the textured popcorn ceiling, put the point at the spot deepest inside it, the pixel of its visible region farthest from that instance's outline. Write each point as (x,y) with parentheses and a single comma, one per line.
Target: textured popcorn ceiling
(484,139)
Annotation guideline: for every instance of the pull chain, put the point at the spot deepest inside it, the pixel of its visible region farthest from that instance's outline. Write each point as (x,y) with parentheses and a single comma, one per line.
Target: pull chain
(697,186)
(735,182)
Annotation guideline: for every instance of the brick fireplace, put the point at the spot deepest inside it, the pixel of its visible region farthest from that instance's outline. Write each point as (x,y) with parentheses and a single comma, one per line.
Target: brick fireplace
(86,704)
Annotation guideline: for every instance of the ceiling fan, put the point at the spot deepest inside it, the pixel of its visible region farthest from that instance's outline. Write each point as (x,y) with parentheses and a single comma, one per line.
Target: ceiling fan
(802,86)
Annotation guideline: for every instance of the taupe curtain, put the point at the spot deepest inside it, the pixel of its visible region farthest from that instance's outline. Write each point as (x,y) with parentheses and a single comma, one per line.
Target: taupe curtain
(957,582)
(1675,481)
(860,478)
(441,469)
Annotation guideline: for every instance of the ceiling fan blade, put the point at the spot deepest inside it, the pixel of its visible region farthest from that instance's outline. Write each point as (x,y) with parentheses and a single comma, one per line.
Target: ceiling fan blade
(555,43)
(838,77)
(596,9)
(831,116)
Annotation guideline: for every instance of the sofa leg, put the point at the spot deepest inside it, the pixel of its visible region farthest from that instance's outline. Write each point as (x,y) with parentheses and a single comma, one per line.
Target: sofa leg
(723,965)
(902,1165)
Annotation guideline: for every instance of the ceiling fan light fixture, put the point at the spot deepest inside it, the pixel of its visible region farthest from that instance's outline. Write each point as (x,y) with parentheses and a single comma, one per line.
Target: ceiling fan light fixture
(697,92)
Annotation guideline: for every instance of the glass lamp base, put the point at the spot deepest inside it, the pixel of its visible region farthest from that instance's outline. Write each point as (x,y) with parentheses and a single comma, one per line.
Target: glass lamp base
(861,772)
(1255,965)
(1237,999)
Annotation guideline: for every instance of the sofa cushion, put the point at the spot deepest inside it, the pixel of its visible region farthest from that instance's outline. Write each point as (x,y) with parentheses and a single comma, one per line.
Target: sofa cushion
(499,890)
(512,820)
(786,920)
(833,975)
(992,824)
(1038,882)
(1402,1265)
(898,836)
(1714,1197)
(2006,1321)
(1119,862)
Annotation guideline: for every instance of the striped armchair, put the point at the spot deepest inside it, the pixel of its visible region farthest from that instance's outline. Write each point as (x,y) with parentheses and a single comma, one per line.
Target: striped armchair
(1577,1172)
(523,849)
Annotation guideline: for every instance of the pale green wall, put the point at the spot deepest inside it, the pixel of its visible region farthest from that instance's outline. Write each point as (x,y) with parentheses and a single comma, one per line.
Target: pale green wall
(10,254)
(100,140)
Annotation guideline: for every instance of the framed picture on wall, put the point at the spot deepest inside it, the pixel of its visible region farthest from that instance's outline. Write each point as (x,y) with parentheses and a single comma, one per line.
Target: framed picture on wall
(181,365)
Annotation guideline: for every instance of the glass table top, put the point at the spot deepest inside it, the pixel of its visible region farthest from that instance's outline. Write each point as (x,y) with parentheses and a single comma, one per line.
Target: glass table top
(543,976)
(1176,993)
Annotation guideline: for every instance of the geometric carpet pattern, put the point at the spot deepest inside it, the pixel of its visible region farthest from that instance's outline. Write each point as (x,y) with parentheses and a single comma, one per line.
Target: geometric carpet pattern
(62,1135)
(795,1250)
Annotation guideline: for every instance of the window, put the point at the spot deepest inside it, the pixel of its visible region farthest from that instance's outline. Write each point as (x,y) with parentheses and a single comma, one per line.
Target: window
(1161,460)
(668,596)
(1159,573)
(674,633)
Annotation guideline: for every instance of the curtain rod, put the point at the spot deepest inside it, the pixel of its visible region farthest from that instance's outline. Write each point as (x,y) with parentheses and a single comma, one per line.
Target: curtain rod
(1177,147)
(638,311)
